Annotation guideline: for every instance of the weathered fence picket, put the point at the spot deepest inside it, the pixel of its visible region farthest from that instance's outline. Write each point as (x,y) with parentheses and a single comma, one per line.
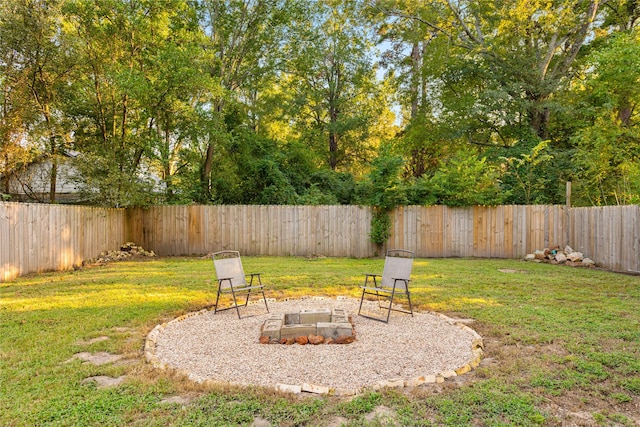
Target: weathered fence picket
(39,237)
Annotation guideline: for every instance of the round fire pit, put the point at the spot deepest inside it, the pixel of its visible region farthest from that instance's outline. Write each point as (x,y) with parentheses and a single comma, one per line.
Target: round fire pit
(309,326)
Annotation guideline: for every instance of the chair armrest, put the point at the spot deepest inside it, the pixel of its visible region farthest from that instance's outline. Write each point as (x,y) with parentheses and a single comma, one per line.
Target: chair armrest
(406,282)
(252,276)
(371,276)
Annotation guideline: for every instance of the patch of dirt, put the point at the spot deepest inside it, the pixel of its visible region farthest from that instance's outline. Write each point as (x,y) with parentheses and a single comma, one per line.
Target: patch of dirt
(93,340)
(336,422)
(103,381)
(260,422)
(382,414)
(178,400)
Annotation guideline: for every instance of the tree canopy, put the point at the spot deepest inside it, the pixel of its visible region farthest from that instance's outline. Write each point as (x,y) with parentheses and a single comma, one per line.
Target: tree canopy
(377,102)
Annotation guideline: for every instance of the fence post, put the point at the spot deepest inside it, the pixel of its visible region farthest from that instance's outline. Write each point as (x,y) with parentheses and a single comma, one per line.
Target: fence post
(567,223)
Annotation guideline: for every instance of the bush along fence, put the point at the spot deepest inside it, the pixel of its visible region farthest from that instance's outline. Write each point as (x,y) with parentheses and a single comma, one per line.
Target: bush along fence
(39,237)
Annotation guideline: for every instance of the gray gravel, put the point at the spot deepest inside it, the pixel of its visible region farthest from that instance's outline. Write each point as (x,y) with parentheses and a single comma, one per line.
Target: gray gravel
(222,348)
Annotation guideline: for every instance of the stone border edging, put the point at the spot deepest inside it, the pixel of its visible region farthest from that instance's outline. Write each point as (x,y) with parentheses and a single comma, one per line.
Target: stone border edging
(477,349)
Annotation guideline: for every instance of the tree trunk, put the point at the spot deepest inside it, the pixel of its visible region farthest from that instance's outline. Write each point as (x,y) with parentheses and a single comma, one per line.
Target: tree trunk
(539,119)
(54,179)
(333,151)
(333,138)
(415,78)
(624,115)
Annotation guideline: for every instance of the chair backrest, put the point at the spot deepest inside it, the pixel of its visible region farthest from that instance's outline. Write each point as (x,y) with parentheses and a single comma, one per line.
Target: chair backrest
(229,265)
(397,265)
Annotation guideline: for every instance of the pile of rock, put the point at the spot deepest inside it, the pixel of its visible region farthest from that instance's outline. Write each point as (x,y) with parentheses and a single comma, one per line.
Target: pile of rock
(557,256)
(127,251)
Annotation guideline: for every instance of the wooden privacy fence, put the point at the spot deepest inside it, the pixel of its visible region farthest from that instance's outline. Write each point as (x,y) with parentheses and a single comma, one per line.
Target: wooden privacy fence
(487,232)
(335,231)
(35,238)
(609,235)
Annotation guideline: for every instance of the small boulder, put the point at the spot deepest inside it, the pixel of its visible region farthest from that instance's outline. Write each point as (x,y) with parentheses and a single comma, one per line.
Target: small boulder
(575,256)
(561,257)
(264,339)
(344,339)
(302,340)
(316,339)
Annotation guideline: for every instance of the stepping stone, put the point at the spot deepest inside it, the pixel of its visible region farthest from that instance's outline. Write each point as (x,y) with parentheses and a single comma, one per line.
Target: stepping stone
(260,422)
(98,359)
(381,413)
(337,422)
(104,381)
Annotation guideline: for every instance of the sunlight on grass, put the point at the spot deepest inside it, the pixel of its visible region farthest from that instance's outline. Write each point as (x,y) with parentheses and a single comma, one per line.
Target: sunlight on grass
(117,295)
(583,324)
(461,303)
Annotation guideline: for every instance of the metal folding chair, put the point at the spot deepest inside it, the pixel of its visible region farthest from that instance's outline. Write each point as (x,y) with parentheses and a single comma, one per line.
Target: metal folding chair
(394,281)
(231,279)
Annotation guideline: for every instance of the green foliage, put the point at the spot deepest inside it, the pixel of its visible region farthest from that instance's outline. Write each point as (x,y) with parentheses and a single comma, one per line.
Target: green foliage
(380,227)
(384,190)
(463,180)
(528,172)
(361,404)
(490,401)
(632,385)
(608,146)
(383,187)
(206,96)
(103,183)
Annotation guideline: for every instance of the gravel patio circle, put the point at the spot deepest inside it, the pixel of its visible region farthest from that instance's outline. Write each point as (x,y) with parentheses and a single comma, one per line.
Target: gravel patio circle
(406,352)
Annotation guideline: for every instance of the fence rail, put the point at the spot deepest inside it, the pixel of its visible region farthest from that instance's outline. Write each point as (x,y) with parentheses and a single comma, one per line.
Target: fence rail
(337,231)
(36,238)
(609,235)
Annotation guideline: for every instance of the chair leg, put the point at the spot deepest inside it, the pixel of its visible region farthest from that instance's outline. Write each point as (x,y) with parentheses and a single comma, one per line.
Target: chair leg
(378,299)
(361,299)
(235,302)
(410,306)
(390,304)
(215,307)
(247,301)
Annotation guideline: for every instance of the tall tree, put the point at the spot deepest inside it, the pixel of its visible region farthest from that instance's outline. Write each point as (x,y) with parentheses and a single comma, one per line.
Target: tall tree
(244,37)
(35,71)
(333,92)
(524,49)
(608,145)
(131,101)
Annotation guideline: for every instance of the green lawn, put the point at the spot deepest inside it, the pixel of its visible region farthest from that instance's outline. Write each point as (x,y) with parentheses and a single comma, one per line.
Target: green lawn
(560,342)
